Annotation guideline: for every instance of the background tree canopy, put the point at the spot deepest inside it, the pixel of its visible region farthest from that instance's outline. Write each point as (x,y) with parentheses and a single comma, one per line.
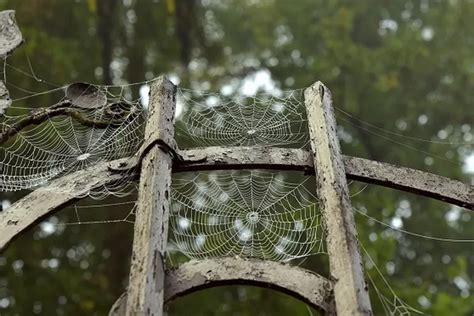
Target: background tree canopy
(401,74)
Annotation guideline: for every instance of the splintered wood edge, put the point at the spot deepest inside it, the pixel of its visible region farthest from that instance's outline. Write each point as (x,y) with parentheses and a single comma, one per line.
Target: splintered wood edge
(196,275)
(51,198)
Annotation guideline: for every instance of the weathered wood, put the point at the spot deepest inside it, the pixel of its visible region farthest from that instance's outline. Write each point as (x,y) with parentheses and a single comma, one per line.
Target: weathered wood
(147,273)
(196,275)
(10,39)
(360,169)
(10,34)
(410,180)
(37,205)
(221,158)
(46,200)
(5,100)
(345,266)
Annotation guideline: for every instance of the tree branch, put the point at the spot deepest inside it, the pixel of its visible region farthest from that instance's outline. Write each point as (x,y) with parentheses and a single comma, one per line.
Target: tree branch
(43,114)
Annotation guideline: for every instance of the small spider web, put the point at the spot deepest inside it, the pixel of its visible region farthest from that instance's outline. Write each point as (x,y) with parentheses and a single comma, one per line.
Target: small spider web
(264,120)
(250,213)
(391,303)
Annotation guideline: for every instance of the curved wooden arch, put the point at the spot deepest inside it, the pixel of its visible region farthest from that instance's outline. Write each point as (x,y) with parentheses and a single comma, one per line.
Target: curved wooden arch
(359,169)
(49,199)
(196,275)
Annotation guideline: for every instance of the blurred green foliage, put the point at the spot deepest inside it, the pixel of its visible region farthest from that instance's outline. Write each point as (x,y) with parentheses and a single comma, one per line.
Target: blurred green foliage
(404,66)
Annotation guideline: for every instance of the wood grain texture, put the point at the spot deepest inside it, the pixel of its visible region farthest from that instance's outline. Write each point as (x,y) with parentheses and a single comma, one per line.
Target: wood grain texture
(196,275)
(345,266)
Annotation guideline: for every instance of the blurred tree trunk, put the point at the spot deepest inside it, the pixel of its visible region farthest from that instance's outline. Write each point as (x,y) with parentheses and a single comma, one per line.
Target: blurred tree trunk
(106,21)
(185,22)
(136,48)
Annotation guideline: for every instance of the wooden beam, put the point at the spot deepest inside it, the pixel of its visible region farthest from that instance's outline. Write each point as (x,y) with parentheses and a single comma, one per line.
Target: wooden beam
(345,266)
(410,180)
(147,272)
(359,169)
(51,198)
(222,158)
(196,275)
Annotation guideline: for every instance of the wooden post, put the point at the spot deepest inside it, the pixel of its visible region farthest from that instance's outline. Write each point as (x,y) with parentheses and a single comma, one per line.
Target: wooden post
(147,274)
(350,291)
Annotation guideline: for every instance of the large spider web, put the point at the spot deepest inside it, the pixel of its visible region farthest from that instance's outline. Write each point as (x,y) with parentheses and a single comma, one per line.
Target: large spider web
(213,119)
(246,213)
(69,137)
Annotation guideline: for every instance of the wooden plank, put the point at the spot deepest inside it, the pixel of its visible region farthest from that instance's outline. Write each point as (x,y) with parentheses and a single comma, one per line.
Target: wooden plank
(147,272)
(49,199)
(196,275)
(350,291)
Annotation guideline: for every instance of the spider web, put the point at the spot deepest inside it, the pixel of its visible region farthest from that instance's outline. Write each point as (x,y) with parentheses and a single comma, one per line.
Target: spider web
(265,120)
(392,304)
(61,144)
(247,213)
(213,214)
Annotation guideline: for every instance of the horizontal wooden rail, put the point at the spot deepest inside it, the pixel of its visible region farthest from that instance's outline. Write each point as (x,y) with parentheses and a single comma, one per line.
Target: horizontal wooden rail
(196,275)
(49,199)
(360,169)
